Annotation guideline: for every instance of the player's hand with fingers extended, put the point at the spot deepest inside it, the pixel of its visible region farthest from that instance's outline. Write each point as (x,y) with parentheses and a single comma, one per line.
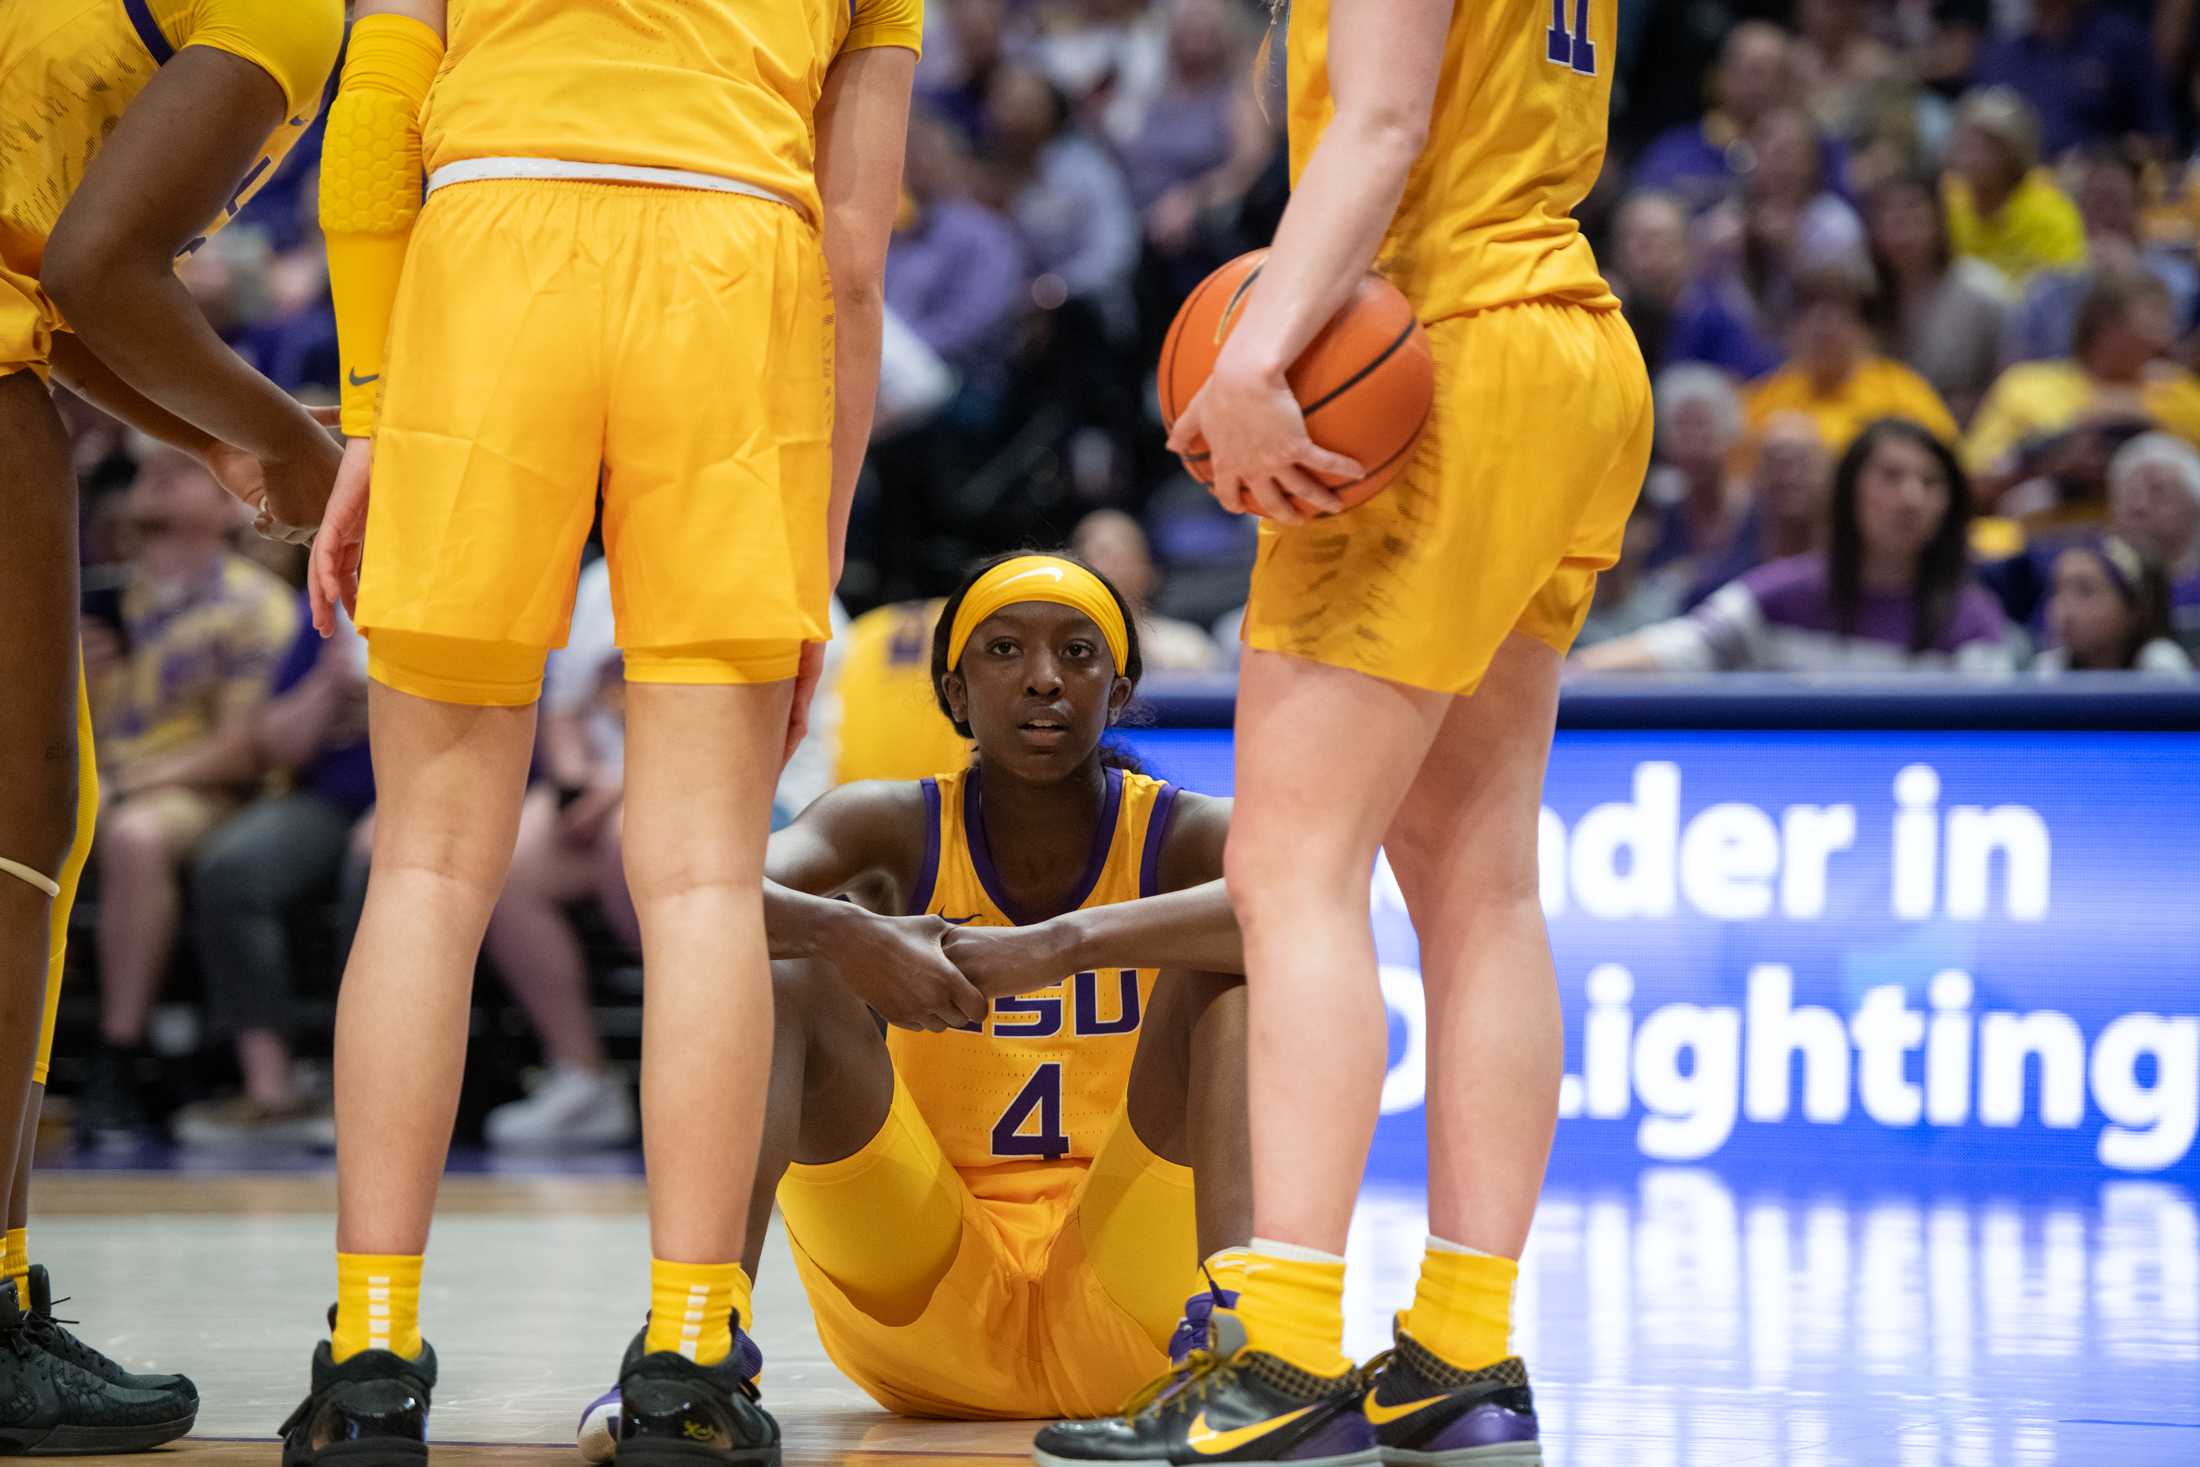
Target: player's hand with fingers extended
(1001,961)
(332,576)
(899,966)
(1260,459)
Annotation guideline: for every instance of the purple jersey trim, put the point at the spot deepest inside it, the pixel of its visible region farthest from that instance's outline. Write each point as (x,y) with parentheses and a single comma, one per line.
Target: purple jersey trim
(928,872)
(148,29)
(981,856)
(1157,831)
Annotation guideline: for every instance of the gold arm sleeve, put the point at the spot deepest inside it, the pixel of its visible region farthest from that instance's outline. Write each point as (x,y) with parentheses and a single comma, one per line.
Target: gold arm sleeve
(370,193)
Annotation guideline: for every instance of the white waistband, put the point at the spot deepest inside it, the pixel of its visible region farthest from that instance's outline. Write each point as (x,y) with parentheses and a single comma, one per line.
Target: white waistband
(475,170)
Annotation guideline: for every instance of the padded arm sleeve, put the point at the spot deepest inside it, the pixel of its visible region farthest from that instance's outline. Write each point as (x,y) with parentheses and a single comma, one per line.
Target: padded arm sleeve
(371,191)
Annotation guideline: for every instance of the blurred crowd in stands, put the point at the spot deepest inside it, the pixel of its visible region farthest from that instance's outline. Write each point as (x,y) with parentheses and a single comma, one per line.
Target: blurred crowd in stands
(1977,220)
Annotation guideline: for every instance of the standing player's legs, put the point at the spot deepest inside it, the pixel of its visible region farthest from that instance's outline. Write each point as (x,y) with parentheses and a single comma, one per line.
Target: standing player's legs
(38,718)
(449,778)
(1303,838)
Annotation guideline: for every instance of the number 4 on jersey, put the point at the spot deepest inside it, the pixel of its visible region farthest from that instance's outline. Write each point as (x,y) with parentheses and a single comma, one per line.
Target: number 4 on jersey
(1575,50)
(1042,1094)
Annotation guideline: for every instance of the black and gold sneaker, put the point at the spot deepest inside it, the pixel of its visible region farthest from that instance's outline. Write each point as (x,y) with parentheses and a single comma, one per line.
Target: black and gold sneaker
(50,1407)
(370,1411)
(1428,1412)
(675,1413)
(1224,1404)
(55,1340)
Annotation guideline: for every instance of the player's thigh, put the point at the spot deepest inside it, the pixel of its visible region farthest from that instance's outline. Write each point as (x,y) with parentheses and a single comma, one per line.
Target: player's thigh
(449,779)
(490,439)
(718,451)
(701,762)
(1466,834)
(38,654)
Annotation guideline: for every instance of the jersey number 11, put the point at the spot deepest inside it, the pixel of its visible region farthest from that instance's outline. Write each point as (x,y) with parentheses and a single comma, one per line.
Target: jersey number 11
(1575,50)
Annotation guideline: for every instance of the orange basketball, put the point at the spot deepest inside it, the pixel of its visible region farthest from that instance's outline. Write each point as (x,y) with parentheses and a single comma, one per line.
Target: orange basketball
(1365,382)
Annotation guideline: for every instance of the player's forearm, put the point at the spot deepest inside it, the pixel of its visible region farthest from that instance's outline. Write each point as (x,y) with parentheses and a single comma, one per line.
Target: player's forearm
(799,925)
(1335,222)
(858,322)
(1192,928)
(88,377)
(131,313)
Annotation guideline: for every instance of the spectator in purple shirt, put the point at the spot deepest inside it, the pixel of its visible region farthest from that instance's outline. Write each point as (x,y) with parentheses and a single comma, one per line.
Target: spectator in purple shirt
(255,874)
(956,271)
(1893,591)
(2089,71)
(1701,162)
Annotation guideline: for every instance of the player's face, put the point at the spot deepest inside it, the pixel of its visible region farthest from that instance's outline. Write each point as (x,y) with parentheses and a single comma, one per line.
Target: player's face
(1039,689)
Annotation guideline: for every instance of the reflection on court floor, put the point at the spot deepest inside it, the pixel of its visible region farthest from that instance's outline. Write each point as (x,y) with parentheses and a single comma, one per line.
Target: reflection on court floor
(1674,1317)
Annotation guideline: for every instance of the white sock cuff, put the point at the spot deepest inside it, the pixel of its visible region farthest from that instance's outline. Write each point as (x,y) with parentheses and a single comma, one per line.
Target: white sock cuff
(1446,1245)
(1293,1253)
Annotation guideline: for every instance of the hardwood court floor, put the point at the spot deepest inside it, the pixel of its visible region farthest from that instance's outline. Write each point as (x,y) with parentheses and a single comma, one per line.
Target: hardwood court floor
(1674,1318)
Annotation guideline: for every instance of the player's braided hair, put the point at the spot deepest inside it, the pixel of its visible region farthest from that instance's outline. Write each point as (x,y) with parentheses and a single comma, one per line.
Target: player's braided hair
(1133,668)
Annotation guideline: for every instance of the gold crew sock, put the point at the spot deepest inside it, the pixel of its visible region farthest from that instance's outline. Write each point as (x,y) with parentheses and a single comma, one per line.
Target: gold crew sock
(693,1308)
(1292,1305)
(16,1265)
(377,1304)
(1462,1307)
(1225,1269)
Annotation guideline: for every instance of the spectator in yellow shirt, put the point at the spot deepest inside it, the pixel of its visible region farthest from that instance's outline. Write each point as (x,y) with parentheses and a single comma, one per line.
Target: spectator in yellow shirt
(1834,378)
(2004,208)
(2117,376)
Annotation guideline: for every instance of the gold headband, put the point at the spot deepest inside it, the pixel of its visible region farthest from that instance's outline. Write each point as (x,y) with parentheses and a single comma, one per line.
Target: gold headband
(1040,578)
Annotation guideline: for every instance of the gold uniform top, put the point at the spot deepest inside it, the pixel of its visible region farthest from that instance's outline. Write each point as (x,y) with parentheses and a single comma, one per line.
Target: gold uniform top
(70,68)
(724,87)
(1042,1078)
(891,726)
(1516,138)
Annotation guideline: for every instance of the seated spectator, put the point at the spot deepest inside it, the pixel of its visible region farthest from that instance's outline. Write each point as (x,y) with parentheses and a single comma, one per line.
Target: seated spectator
(2109,612)
(568,851)
(2087,70)
(1701,163)
(1790,200)
(2154,502)
(2039,416)
(2043,325)
(254,874)
(1939,314)
(1892,592)
(176,686)
(956,272)
(1785,493)
(1115,545)
(1690,493)
(1064,193)
(1651,266)
(2004,208)
(960,58)
(1202,139)
(1840,67)
(1834,377)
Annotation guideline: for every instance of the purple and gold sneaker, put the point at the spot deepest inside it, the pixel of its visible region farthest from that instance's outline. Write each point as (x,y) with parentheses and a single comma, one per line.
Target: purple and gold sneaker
(1225,1403)
(598,1434)
(1427,1413)
(1199,1313)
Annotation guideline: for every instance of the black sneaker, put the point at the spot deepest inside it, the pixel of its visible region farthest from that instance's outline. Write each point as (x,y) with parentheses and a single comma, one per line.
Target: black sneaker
(1429,1413)
(111,1113)
(370,1411)
(676,1413)
(1225,1404)
(52,1408)
(58,1342)
(598,1434)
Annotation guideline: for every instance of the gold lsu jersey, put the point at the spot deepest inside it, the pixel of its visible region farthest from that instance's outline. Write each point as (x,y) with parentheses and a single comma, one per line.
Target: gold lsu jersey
(711,86)
(1043,1077)
(890,724)
(1516,138)
(70,68)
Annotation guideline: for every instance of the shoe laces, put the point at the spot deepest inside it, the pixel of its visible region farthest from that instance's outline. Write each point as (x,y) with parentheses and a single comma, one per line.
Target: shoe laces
(1201,1371)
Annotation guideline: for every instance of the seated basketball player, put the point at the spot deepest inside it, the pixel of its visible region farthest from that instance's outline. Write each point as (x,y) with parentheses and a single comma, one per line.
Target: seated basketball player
(992,1203)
